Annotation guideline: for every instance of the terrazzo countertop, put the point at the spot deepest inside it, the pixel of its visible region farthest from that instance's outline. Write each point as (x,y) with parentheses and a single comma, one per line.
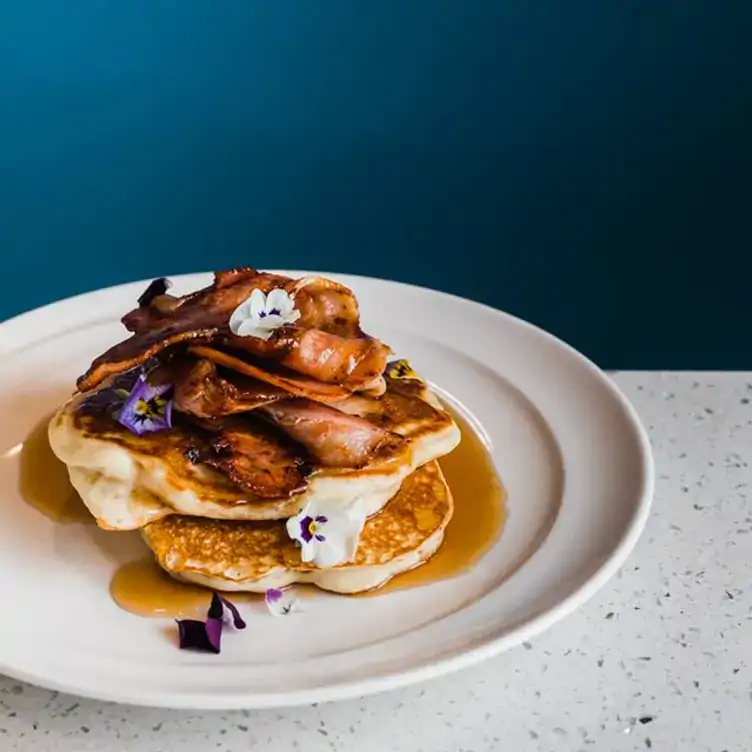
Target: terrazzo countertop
(659,659)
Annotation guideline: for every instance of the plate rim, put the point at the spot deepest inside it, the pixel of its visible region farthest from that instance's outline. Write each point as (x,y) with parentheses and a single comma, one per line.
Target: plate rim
(492,646)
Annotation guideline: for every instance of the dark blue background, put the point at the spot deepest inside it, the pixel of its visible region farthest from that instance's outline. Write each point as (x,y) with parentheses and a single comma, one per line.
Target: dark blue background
(585,165)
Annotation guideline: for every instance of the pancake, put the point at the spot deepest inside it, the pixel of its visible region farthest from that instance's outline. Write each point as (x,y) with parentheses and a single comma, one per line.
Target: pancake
(255,556)
(128,481)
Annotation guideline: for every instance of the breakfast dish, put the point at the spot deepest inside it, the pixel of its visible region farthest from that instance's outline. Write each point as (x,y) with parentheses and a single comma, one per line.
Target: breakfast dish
(541,500)
(258,437)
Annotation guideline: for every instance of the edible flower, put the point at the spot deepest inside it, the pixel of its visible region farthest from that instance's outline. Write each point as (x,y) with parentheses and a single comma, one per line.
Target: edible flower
(327,533)
(261,314)
(280,602)
(110,399)
(401,369)
(147,408)
(206,636)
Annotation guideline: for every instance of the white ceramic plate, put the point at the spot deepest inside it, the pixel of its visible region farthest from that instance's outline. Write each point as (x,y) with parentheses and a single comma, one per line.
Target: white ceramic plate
(568,446)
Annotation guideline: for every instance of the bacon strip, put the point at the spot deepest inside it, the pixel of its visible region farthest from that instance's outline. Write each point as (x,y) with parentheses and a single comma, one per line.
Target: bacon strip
(353,363)
(200,316)
(327,344)
(202,392)
(256,460)
(298,386)
(333,438)
(327,305)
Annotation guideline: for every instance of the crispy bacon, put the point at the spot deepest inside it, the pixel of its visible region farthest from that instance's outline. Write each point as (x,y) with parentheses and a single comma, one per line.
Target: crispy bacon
(141,318)
(327,305)
(354,363)
(200,317)
(291,382)
(333,438)
(326,344)
(202,392)
(256,459)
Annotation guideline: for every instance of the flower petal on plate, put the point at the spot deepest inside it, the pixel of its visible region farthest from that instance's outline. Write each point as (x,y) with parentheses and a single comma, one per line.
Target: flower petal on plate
(216,607)
(237,620)
(214,632)
(280,602)
(206,636)
(193,635)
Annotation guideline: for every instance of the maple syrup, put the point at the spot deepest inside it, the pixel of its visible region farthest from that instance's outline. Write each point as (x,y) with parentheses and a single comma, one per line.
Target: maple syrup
(143,588)
(44,482)
(479,513)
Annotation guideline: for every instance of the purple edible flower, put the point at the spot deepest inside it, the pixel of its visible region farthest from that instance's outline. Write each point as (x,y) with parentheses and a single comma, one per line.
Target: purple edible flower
(148,408)
(206,636)
(310,527)
(110,399)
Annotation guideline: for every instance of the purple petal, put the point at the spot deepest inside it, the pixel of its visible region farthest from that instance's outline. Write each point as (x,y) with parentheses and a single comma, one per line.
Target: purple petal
(214,632)
(272,595)
(147,409)
(216,608)
(127,380)
(280,603)
(237,619)
(305,529)
(323,519)
(111,399)
(207,636)
(193,635)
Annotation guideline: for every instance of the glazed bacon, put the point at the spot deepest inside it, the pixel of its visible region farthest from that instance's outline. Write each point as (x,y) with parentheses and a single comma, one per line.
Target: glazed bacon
(333,438)
(201,391)
(326,344)
(356,364)
(289,381)
(200,316)
(255,459)
(327,305)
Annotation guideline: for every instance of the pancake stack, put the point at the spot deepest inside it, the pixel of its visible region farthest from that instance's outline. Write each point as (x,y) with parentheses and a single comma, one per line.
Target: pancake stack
(237,424)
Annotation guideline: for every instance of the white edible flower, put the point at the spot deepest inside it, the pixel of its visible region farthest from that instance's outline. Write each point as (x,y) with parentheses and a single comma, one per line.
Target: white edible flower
(327,533)
(261,314)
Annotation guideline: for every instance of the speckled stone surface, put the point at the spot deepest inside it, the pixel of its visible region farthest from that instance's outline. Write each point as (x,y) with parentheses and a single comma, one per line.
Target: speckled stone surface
(660,659)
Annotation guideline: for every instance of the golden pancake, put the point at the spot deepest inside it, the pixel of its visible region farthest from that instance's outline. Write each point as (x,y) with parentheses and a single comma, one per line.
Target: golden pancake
(128,481)
(256,556)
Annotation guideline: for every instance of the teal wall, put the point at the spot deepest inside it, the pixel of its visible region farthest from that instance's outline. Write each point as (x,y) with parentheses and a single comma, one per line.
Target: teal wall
(583,164)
